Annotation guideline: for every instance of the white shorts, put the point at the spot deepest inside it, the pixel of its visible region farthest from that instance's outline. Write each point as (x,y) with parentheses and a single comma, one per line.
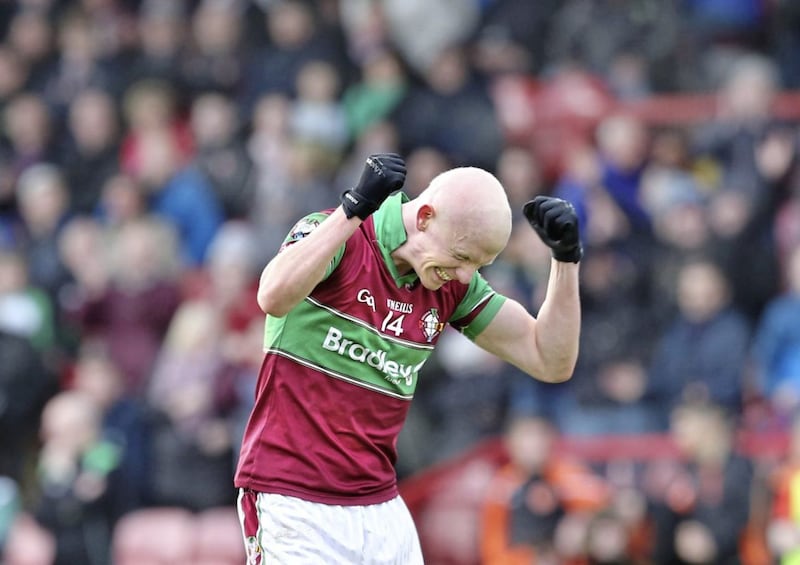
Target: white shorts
(286,530)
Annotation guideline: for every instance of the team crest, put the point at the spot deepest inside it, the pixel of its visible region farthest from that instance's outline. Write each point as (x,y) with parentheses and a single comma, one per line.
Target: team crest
(430,324)
(300,230)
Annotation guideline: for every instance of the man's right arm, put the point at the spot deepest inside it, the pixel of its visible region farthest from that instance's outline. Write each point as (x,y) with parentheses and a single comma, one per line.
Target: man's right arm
(294,272)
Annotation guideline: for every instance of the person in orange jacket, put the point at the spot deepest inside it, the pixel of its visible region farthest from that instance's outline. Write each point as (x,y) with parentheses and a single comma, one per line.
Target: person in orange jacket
(541,502)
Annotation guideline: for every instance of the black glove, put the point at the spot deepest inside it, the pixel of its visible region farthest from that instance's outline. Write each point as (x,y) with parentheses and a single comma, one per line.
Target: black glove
(383,174)
(556,222)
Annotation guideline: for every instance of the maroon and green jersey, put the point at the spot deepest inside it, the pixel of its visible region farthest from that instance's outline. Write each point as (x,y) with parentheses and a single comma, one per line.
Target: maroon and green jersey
(340,369)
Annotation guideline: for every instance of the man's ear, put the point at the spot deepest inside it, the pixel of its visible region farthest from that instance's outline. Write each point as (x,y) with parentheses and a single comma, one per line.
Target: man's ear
(424,216)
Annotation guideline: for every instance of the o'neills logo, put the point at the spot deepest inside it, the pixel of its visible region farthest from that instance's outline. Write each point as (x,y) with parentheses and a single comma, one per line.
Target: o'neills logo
(393,371)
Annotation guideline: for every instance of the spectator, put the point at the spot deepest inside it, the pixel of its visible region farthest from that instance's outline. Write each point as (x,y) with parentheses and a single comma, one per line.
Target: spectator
(701,355)
(81,493)
(382,86)
(221,156)
(776,345)
(25,309)
(90,158)
(122,200)
(701,510)
(289,179)
(529,499)
(44,206)
(77,66)
(742,218)
(191,465)
(25,385)
(215,62)
(13,74)
(318,118)
(623,147)
(295,38)
(28,128)
(783,530)
(131,299)
(519,171)
(181,195)
(423,31)
(150,108)
(30,35)
(162,29)
(452,112)
(122,418)
(425,163)
(609,388)
(594,33)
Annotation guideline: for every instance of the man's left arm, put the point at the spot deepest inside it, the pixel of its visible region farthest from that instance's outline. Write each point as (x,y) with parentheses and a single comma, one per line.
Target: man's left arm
(545,347)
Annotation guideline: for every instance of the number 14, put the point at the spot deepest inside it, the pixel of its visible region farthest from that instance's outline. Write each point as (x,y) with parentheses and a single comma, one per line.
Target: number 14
(395,325)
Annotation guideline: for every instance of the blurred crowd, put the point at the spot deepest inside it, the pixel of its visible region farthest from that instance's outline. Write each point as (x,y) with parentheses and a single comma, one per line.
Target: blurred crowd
(154,153)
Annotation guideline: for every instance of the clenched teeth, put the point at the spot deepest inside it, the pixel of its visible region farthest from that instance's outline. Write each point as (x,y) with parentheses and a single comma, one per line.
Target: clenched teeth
(443,274)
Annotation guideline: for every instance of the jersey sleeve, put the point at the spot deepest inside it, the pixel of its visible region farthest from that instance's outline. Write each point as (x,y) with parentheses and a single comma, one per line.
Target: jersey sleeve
(304,227)
(478,307)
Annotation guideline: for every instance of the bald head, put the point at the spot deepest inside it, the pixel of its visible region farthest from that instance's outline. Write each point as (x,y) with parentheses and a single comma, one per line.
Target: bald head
(473,203)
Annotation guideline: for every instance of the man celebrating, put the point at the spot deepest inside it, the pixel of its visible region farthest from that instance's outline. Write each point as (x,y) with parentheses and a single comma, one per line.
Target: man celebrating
(355,301)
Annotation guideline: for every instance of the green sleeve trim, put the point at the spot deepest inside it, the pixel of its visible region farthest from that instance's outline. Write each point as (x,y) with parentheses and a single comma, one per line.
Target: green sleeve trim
(485,317)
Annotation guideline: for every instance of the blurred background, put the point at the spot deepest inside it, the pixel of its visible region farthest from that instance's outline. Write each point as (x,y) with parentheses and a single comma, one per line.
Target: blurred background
(154,153)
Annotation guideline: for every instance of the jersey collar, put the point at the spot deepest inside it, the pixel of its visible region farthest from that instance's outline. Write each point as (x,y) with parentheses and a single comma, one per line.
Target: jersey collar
(391,234)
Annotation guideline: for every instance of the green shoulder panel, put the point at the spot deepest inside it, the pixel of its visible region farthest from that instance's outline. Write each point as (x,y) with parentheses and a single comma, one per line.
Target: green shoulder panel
(478,294)
(305,226)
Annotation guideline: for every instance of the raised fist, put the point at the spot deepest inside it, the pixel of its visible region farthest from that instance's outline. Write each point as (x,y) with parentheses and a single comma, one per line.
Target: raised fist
(556,223)
(384,173)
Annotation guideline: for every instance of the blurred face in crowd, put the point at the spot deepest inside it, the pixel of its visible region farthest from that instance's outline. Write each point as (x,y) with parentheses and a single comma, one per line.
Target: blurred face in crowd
(530,443)
(749,92)
(702,432)
(27,123)
(13,72)
(75,40)
(216,27)
(289,24)
(519,172)
(13,274)
(702,291)
(317,82)
(623,140)
(92,120)
(424,164)
(213,120)
(30,35)
(99,378)
(149,105)
(42,197)
(70,421)
(161,29)
(123,199)
(145,251)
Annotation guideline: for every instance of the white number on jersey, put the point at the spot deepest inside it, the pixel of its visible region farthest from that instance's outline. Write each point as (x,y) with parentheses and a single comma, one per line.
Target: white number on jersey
(395,325)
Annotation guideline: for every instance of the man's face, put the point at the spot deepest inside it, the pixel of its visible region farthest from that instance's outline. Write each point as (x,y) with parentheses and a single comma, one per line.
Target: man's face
(449,255)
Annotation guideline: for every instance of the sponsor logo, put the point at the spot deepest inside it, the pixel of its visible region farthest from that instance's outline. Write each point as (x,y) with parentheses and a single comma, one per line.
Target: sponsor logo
(365,297)
(375,165)
(393,371)
(397,306)
(430,324)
